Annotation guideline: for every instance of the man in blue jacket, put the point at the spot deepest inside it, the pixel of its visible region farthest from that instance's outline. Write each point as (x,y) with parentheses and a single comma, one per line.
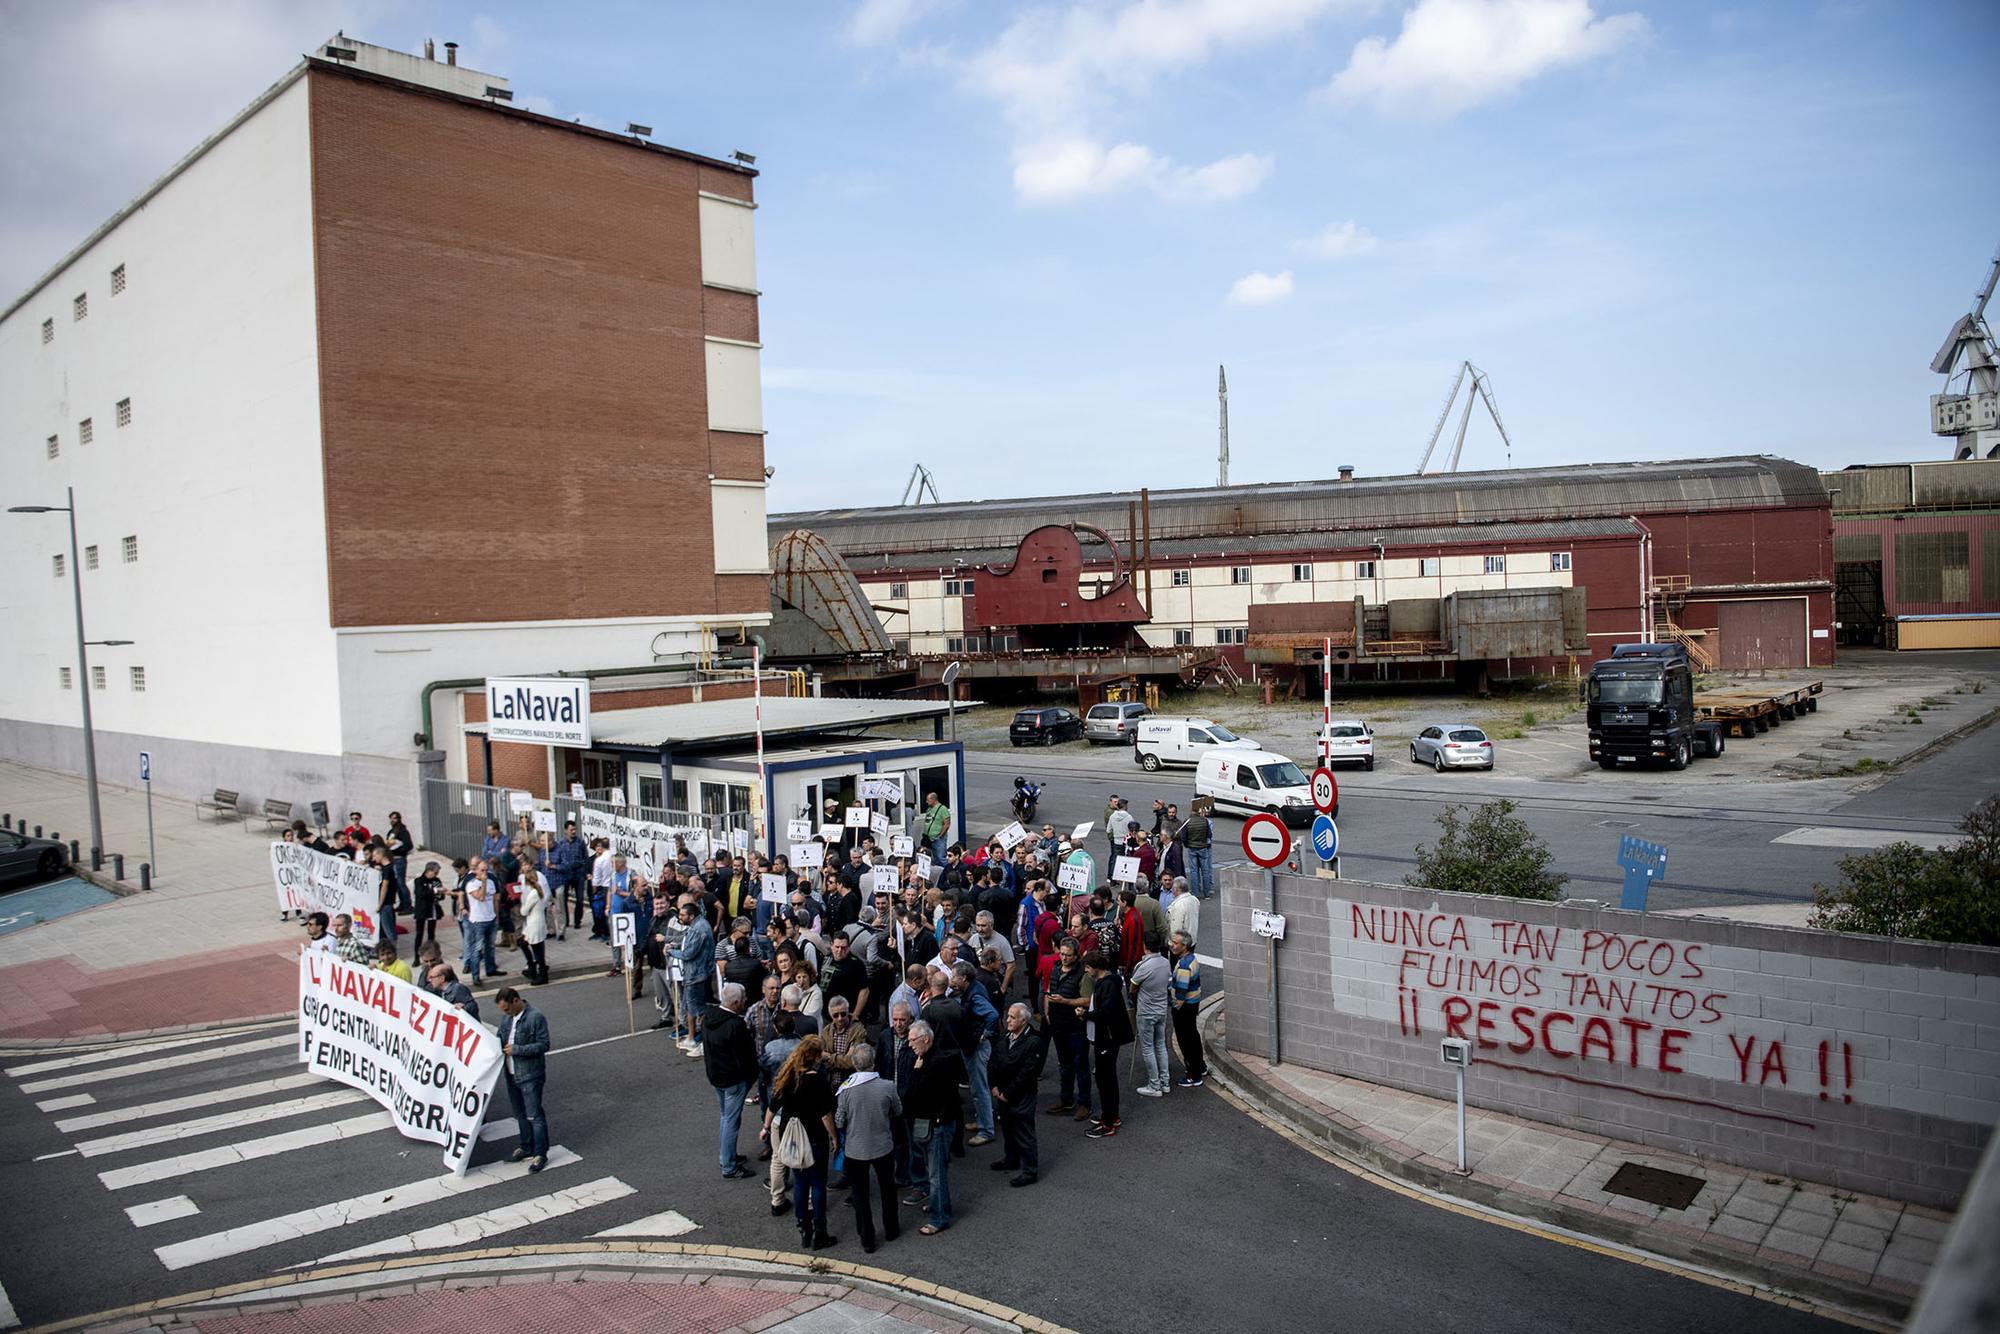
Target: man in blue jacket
(696,953)
(569,867)
(524,1045)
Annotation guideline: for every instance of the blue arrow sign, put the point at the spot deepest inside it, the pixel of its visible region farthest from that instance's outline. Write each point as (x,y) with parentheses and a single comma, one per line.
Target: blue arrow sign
(1643,863)
(1326,837)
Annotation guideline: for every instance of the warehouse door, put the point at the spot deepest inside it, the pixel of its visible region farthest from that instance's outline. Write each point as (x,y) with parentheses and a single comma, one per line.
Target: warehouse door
(1761,635)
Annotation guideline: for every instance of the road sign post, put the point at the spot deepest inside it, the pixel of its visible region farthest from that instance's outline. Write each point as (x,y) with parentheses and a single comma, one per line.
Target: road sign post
(1325,791)
(146,777)
(1267,842)
(1326,845)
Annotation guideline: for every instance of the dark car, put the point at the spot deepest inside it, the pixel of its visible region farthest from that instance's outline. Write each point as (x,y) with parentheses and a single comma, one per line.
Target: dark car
(1044,727)
(24,856)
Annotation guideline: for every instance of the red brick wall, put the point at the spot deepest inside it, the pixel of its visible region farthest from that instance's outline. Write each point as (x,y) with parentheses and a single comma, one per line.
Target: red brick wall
(527,767)
(512,371)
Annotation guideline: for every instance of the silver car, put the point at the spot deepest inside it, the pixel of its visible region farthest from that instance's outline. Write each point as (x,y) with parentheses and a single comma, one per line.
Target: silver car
(1452,746)
(1113,724)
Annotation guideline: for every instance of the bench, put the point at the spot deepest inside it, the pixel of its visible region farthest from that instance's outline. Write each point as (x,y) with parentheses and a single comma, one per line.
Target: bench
(277,814)
(224,804)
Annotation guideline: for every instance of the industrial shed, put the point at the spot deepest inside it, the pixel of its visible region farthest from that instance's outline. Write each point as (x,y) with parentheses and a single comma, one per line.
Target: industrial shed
(1734,555)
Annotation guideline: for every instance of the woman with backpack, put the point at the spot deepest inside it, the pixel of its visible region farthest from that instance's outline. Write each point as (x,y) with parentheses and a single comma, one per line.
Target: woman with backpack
(802,1107)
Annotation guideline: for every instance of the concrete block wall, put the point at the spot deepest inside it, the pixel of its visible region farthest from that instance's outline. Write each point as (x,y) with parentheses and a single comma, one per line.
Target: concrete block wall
(1856,1061)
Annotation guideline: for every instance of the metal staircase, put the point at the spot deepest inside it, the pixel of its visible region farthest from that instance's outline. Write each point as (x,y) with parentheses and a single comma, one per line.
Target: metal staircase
(1669,592)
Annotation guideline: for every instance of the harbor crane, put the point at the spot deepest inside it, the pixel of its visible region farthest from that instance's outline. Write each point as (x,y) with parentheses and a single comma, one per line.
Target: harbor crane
(1480,388)
(1969,408)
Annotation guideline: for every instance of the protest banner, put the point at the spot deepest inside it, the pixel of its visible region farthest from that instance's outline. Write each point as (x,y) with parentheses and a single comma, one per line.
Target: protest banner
(1074,878)
(1010,834)
(878,788)
(807,856)
(923,866)
(310,882)
(773,890)
(901,846)
(832,833)
(429,1063)
(879,823)
(646,845)
(545,822)
(1078,834)
(1125,869)
(576,791)
(519,802)
(884,880)
(855,817)
(798,831)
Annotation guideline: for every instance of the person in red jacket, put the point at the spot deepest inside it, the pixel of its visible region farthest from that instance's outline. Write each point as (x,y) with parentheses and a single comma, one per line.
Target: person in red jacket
(1131,935)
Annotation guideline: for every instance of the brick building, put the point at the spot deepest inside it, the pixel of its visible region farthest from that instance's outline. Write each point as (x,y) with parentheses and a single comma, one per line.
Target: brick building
(1917,553)
(388,382)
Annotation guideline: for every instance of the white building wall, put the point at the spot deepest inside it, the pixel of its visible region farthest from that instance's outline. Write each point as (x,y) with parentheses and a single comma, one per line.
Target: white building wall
(213,340)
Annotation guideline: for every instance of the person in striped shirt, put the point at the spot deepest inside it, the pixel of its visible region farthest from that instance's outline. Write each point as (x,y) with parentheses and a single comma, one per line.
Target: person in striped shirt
(1186,1005)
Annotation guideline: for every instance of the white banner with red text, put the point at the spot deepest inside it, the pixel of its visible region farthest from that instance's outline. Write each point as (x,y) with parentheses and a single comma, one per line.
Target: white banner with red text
(310,882)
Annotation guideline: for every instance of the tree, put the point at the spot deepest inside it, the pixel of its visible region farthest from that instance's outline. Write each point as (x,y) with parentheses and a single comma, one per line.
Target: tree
(1951,894)
(1492,853)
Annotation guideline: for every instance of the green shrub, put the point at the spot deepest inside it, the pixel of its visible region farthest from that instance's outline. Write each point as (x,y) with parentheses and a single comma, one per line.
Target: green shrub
(1493,852)
(1952,894)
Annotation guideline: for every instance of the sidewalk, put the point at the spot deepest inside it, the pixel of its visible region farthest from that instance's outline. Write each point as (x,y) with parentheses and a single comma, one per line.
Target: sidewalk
(204,946)
(1866,1254)
(690,1289)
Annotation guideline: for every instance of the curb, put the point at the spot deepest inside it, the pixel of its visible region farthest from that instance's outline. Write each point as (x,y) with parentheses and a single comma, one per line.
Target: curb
(1928,749)
(1310,1125)
(570,1261)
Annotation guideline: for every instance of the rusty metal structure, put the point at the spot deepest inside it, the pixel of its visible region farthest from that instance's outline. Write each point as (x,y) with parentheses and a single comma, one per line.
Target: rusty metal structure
(1050,598)
(1473,626)
(817,605)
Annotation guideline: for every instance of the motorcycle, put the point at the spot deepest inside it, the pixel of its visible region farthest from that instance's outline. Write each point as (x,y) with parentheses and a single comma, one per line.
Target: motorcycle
(1026,794)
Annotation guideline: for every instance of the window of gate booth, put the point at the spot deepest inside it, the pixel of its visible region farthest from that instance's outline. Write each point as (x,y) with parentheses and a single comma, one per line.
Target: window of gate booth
(724,798)
(650,793)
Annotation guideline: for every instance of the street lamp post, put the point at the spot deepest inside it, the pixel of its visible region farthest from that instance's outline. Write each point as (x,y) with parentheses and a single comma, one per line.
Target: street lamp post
(82,661)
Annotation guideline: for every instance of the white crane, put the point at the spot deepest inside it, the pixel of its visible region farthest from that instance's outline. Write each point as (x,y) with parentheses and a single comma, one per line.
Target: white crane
(1970,415)
(1480,388)
(919,485)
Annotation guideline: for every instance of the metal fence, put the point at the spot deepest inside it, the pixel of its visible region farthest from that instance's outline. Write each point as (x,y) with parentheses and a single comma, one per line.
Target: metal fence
(456,815)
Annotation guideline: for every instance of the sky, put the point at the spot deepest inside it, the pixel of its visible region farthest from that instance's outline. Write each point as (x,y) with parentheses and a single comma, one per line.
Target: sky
(1013,243)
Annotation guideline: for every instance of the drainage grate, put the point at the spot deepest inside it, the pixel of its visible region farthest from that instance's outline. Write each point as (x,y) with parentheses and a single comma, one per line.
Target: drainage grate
(1669,1190)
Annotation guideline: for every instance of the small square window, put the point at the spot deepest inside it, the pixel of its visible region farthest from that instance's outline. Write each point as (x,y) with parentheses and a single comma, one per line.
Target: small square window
(131,549)
(90,557)
(1183,638)
(85,432)
(899,590)
(1559,560)
(1427,565)
(954,645)
(62,566)
(55,446)
(1239,574)
(124,412)
(1496,565)
(48,331)
(118,280)
(1302,574)
(97,678)
(1231,634)
(68,680)
(1364,569)
(80,307)
(139,679)
(1182,578)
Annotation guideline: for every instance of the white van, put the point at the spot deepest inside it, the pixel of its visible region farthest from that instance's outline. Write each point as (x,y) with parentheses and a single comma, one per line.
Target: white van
(1182,741)
(1256,781)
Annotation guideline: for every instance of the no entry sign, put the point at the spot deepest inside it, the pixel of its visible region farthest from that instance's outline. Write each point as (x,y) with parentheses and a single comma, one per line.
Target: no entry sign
(1266,841)
(1326,792)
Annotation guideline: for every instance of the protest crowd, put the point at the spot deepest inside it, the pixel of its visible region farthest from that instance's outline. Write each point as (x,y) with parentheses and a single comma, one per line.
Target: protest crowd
(875,1006)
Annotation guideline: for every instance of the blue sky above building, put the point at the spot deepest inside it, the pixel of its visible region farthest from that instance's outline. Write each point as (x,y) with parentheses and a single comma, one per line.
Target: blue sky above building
(1013,243)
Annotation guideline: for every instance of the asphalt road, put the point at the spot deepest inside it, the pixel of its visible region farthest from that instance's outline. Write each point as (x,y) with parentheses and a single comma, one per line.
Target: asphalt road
(1193,1219)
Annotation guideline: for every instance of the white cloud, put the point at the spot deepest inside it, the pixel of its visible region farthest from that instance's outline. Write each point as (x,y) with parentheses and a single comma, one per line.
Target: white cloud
(1059,171)
(879,22)
(1056,71)
(1339,240)
(1260,289)
(1455,54)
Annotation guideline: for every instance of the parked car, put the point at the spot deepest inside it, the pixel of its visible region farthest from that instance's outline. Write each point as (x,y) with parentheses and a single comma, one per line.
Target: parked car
(1044,727)
(1348,741)
(21,855)
(1256,780)
(1111,724)
(1452,746)
(1182,741)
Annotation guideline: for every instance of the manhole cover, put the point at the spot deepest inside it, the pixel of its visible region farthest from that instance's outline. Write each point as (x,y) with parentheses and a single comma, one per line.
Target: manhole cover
(1617,824)
(1669,1190)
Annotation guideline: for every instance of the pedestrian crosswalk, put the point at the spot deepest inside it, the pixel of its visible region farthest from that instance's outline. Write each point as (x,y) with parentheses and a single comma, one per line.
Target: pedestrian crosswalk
(237,1100)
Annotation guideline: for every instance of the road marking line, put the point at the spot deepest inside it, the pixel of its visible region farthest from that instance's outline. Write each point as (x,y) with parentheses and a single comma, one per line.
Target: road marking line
(44,1157)
(161,1211)
(244,1151)
(491,1223)
(160,1063)
(166,1107)
(598,1042)
(64,1104)
(111,1054)
(321,1218)
(493,1130)
(8,1319)
(1827,836)
(668,1224)
(209,1125)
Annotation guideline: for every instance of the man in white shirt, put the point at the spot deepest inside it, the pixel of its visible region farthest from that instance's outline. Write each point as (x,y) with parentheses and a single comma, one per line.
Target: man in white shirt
(602,872)
(1184,913)
(482,901)
(984,938)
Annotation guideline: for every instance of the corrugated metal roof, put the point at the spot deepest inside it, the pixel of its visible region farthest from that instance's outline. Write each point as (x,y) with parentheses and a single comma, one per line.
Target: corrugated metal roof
(1357,540)
(1604,489)
(720,720)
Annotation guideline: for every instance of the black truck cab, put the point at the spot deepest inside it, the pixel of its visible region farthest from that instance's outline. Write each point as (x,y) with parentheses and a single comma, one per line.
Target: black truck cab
(1639,705)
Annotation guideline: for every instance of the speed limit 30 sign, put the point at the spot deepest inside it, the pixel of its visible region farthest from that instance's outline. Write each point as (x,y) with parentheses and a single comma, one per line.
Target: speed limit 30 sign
(1325,792)
(1266,841)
